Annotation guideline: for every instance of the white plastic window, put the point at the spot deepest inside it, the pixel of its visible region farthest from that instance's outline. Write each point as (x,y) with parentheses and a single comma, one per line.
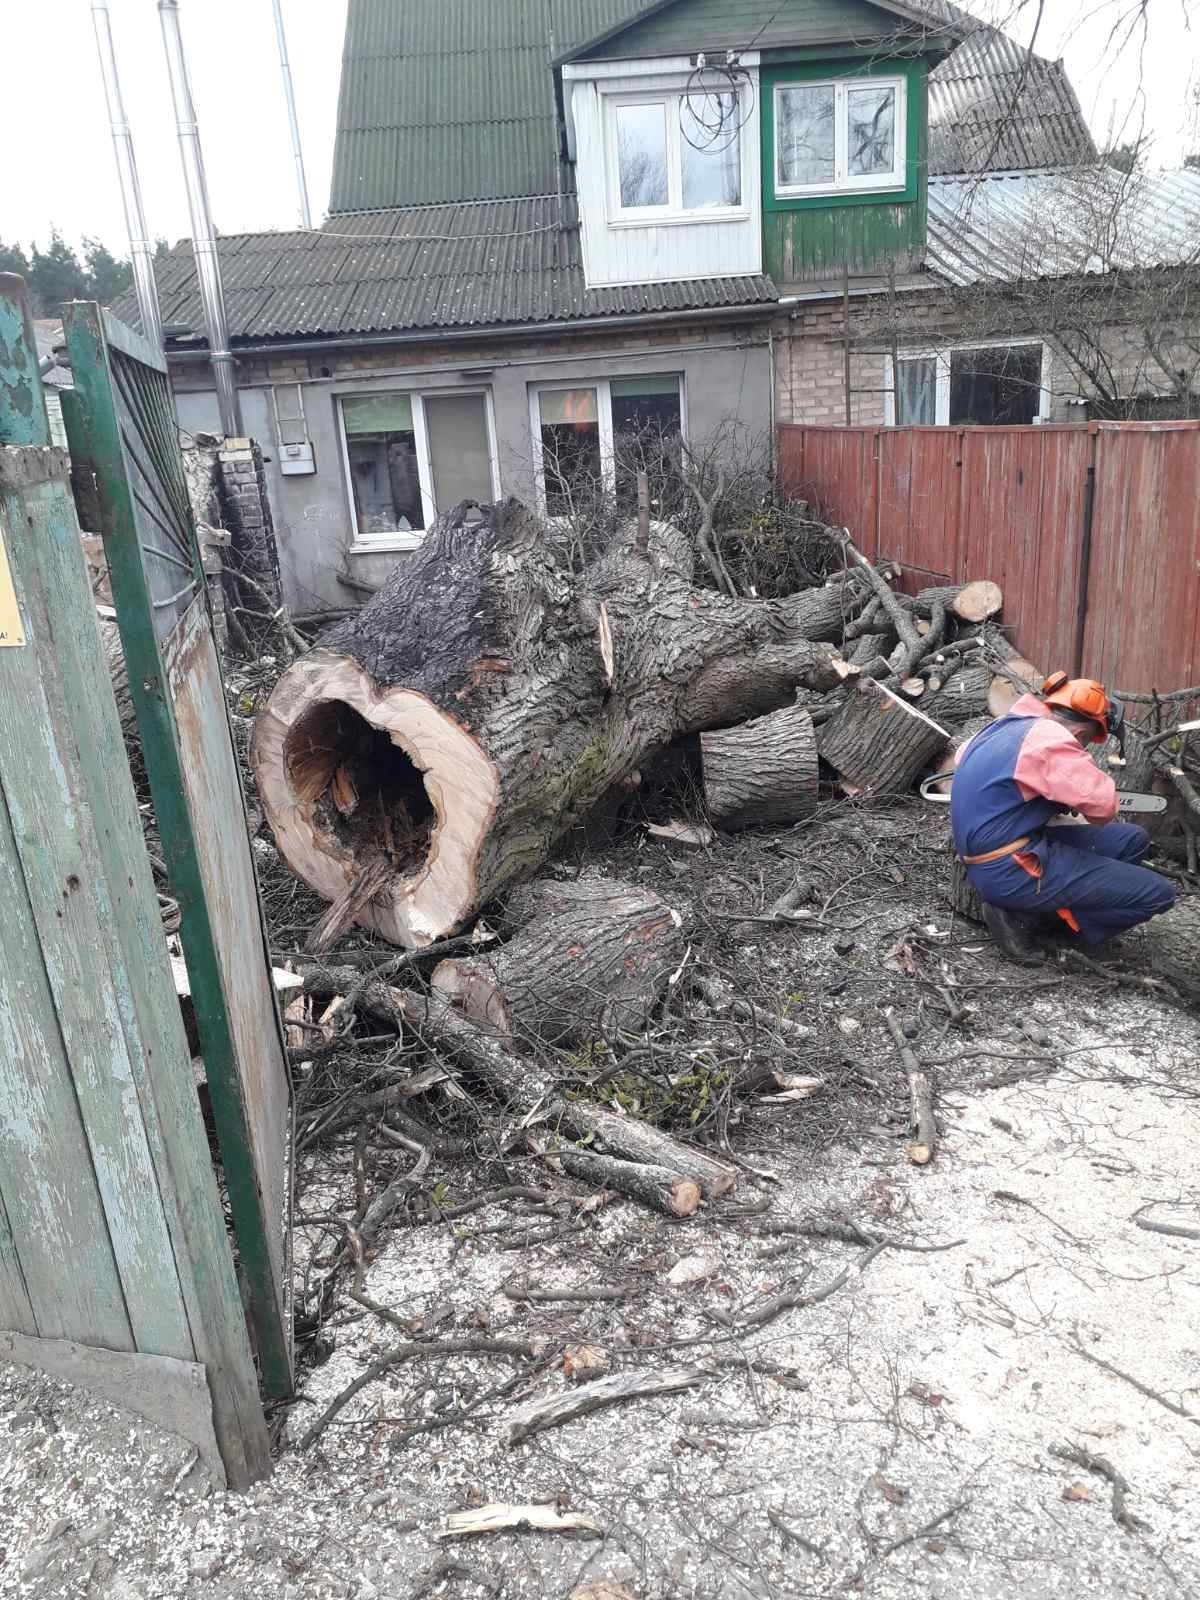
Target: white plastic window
(839,136)
(675,156)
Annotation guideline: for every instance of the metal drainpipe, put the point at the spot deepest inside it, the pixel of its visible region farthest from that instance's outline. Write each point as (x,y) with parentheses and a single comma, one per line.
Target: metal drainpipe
(141,254)
(289,94)
(204,246)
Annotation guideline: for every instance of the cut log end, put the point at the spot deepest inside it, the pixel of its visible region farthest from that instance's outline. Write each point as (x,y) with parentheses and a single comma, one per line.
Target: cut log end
(976,602)
(425,794)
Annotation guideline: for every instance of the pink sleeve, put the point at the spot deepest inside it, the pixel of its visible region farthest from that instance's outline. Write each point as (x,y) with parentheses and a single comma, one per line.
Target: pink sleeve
(1053,765)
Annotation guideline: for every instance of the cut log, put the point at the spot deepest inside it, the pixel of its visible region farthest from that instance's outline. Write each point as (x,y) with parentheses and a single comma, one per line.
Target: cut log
(969,602)
(1169,947)
(963,697)
(763,772)
(877,745)
(469,703)
(1019,677)
(657,1187)
(598,958)
(945,761)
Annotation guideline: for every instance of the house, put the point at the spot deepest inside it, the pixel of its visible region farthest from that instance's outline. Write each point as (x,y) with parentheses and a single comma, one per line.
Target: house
(553,225)
(48,334)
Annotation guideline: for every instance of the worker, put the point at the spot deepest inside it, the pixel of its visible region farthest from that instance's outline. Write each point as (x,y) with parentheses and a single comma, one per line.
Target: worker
(1010,780)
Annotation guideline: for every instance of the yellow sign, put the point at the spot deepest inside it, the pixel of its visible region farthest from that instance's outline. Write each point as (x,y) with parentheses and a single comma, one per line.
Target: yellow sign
(11,631)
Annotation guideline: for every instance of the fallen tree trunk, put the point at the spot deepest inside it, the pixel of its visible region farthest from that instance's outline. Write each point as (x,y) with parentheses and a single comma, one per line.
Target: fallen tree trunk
(763,772)
(486,698)
(970,602)
(876,745)
(598,958)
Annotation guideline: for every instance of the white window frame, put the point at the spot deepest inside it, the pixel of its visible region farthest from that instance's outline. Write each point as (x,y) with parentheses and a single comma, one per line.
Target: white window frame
(673,213)
(843,183)
(379,543)
(941,354)
(608,460)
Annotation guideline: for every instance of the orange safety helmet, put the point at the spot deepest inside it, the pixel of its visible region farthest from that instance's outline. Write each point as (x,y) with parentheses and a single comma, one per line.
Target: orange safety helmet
(1084,696)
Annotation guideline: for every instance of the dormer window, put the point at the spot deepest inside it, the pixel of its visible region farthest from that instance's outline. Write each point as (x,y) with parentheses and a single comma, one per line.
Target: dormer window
(839,136)
(674,156)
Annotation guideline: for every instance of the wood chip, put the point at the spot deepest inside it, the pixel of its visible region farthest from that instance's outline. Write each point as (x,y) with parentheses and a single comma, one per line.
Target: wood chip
(499,1517)
(582,1362)
(687,835)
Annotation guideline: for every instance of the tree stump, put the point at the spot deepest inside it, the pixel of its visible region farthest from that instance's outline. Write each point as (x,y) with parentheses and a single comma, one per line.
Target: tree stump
(963,898)
(488,696)
(873,744)
(763,772)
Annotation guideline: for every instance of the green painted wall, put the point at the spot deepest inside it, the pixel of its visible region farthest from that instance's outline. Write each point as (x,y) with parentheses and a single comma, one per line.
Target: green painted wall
(683,29)
(816,237)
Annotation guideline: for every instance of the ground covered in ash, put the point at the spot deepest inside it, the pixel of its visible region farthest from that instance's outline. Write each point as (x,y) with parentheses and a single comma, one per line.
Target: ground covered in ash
(978,1377)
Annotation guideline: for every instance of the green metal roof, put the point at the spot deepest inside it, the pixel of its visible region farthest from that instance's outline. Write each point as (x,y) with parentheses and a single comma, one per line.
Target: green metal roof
(445,100)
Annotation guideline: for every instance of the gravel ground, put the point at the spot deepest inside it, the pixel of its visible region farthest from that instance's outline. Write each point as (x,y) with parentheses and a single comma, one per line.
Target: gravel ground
(894,1438)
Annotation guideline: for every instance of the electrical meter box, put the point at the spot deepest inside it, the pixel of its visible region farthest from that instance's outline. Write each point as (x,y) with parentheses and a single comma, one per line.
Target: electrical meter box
(296,459)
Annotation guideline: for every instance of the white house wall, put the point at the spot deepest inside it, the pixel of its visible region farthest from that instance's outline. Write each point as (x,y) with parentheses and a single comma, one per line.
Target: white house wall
(664,251)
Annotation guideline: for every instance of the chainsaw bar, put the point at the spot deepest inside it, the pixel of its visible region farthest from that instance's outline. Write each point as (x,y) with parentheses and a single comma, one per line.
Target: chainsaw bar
(1130,804)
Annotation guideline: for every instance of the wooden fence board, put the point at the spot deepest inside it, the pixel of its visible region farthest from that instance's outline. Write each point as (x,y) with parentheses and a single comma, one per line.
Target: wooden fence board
(50,1191)
(15,1309)
(67,877)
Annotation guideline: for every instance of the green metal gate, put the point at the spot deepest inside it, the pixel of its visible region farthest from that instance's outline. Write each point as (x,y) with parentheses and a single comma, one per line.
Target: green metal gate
(122,430)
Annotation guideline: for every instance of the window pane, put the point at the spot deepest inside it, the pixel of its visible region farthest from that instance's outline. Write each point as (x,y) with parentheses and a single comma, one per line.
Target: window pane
(458,449)
(710,151)
(916,392)
(1001,385)
(378,413)
(871,132)
(570,440)
(642,155)
(641,403)
(382,450)
(646,422)
(804,133)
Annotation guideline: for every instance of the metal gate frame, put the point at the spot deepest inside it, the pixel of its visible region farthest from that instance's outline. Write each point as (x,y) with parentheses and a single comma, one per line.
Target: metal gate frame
(122,428)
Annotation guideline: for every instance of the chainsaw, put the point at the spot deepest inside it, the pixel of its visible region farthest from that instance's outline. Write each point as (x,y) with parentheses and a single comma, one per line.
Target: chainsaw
(1129,804)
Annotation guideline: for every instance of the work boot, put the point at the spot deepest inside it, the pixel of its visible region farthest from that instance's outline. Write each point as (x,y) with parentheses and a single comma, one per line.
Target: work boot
(1013,932)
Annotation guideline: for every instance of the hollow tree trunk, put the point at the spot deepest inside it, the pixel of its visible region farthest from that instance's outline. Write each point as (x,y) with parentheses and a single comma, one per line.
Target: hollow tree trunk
(597,957)
(764,771)
(876,745)
(487,697)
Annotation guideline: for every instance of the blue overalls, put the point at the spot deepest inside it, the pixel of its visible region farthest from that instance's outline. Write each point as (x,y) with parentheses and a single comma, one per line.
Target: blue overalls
(1092,872)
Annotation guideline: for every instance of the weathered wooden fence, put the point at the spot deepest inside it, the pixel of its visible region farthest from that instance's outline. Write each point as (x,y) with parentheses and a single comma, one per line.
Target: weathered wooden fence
(1092,530)
(115,1266)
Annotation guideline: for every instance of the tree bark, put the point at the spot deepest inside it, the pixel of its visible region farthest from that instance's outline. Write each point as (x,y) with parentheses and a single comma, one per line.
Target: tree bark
(763,772)
(598,958)
(876,745)
(963,697)
(469,704)
(963,898)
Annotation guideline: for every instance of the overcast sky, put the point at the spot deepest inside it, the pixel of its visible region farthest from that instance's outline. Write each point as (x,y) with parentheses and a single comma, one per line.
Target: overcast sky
(57,166)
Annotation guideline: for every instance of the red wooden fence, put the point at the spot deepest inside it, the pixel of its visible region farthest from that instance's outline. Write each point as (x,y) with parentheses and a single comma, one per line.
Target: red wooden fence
(1092,530)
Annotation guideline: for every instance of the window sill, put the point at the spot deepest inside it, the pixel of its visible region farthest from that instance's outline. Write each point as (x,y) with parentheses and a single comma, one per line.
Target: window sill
(678,219)
(385,546)
(843,192)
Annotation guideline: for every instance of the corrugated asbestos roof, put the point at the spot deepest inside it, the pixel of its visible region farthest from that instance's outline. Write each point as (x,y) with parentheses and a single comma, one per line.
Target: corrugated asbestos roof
(1033,225)
(445,100)
(994,107)
(482,264)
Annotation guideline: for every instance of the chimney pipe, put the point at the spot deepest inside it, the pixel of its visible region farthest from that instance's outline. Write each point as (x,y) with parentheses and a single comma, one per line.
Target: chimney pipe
(141,254)
(289,95)
(204,246)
